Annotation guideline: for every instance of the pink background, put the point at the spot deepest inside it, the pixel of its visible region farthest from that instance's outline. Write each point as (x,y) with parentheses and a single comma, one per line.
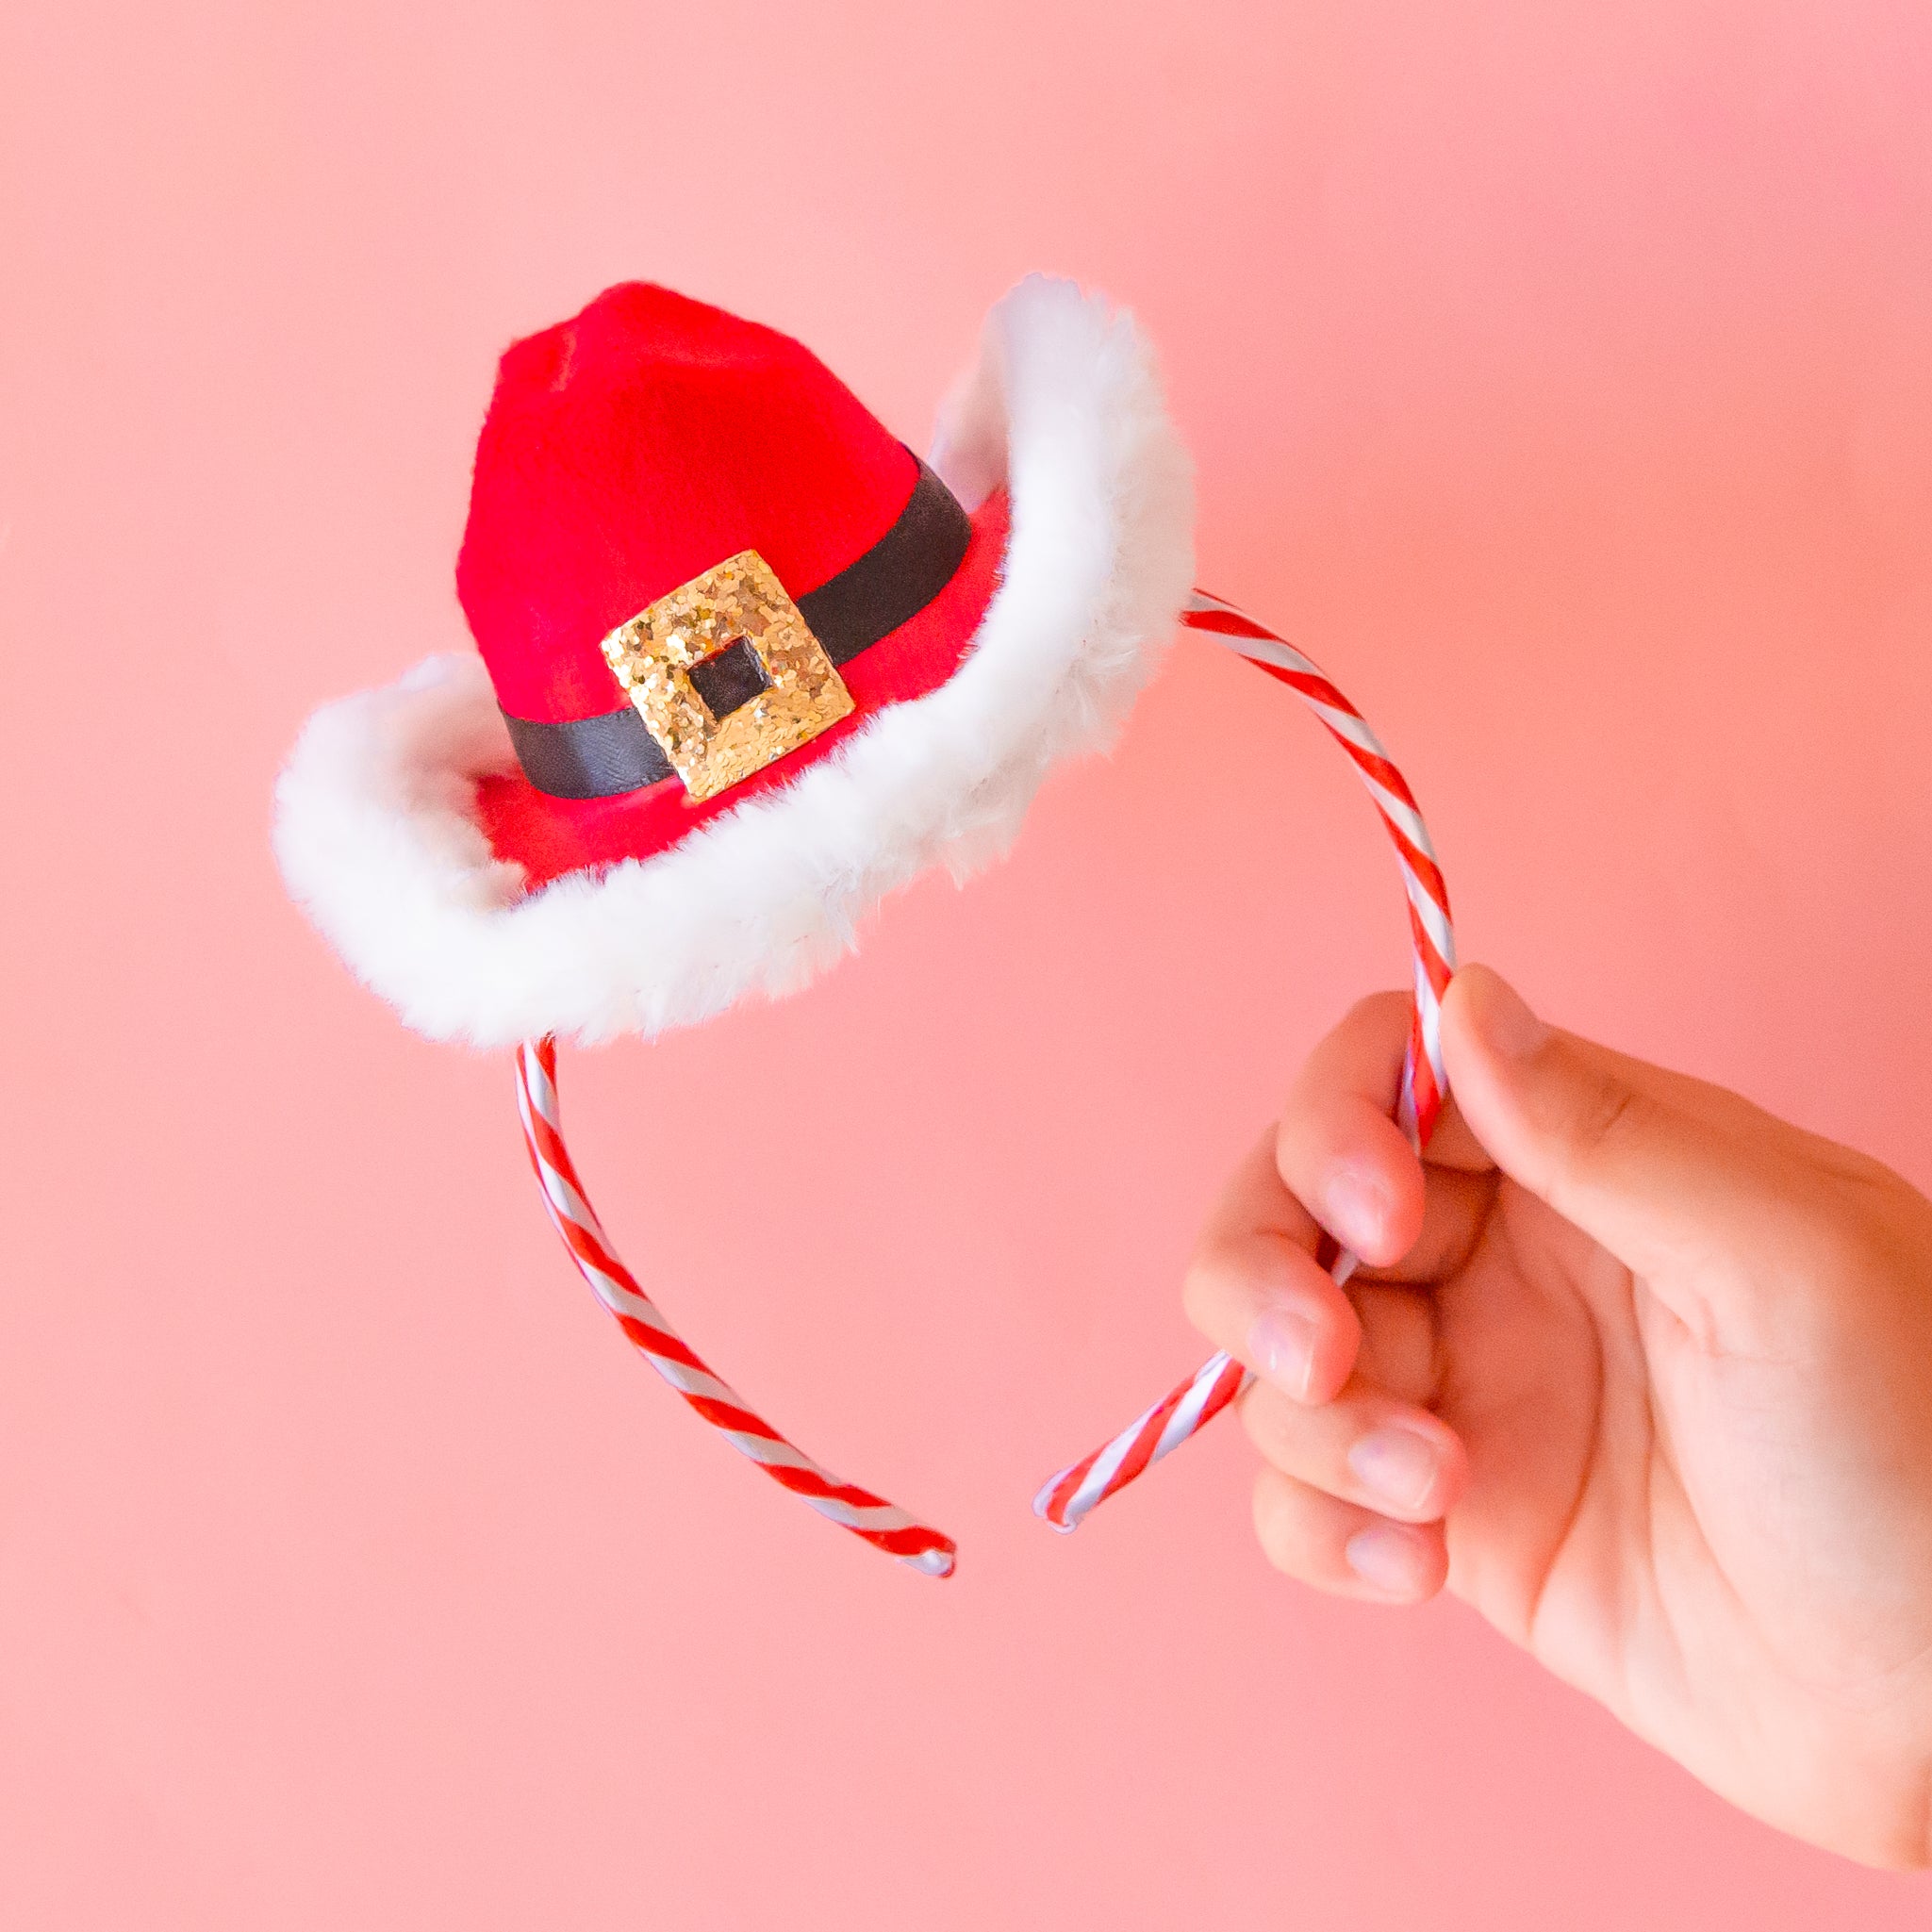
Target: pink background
(1559,375)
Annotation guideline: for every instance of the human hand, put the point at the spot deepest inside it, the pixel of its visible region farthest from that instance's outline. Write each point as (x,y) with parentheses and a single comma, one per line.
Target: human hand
(1640,1372)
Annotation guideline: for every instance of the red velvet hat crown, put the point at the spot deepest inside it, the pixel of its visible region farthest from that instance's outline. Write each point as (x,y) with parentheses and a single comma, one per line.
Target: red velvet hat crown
(636,445)
(626,452)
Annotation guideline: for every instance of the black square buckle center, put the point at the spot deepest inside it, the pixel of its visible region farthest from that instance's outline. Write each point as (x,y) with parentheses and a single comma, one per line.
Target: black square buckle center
(729,679)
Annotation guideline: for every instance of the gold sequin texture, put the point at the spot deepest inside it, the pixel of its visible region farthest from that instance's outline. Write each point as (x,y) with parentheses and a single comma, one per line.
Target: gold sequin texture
(738,600)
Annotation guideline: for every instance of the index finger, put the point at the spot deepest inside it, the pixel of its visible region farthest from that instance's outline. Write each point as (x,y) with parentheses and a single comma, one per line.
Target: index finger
(1256,1289)
(1338,1147)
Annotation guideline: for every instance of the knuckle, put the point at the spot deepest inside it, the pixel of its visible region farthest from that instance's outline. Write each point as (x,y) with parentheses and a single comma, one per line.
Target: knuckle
(1293,1142)
(1606,1113)
(1220,1284)
(1276,1526)
(1597,1120)
(1274,1425)
(1845,1232)
(1375,1013)
(1875,1195)
(1820,1224)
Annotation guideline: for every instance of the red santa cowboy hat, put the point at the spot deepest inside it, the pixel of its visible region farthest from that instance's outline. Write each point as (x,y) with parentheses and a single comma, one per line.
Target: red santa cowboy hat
(747,665)
(605,825)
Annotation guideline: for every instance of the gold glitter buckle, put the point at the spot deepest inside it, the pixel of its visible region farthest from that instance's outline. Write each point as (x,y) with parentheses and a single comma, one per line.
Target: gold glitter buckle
(726,674)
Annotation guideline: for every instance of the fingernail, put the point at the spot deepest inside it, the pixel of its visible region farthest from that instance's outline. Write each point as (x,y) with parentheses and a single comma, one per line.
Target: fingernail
(1505,1023)
(1386,1558)
(1396,1465)
(1280,1343)
(1356,1206)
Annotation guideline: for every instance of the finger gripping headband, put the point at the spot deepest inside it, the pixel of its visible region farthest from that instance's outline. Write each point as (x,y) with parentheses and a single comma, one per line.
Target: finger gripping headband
(1068,1498)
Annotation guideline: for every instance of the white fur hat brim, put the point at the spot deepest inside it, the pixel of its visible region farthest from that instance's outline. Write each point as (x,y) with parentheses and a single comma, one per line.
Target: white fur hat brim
(374,824)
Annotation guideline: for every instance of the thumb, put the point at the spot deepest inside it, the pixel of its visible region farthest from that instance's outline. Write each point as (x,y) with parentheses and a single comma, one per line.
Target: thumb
(1585,1131)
